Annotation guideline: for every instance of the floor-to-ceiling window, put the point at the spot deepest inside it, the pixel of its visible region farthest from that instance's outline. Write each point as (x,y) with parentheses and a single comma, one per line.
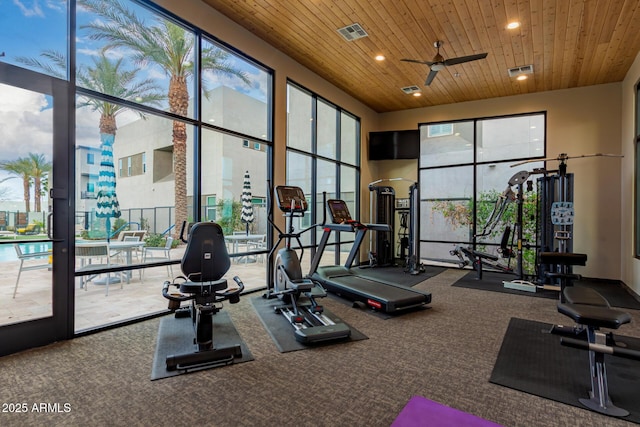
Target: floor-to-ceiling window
(323,158)
(637,174)
(467,190)
(169,124)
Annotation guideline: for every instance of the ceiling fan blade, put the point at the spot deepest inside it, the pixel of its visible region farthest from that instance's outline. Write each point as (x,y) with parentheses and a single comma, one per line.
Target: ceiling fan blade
(417,61)
(430,77)
(461,59)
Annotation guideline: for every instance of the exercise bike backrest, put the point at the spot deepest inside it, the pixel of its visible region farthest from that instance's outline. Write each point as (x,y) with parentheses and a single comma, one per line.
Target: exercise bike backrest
(206,258)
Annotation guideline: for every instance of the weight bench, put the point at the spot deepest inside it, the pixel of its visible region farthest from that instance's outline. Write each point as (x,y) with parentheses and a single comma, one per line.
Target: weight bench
(591,311)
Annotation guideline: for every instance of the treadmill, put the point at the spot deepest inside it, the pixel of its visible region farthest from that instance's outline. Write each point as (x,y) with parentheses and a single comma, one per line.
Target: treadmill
(345,282)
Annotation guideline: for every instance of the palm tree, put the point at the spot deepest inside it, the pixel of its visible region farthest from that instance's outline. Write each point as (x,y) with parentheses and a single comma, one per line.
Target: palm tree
(170,47)
(104,76)
(39,169)
(21,168)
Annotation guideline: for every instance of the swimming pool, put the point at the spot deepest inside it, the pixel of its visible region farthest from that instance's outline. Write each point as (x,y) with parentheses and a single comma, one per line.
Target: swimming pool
(8,252)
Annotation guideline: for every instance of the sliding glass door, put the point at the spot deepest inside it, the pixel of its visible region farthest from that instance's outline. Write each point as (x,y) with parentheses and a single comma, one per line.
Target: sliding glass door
(34,226)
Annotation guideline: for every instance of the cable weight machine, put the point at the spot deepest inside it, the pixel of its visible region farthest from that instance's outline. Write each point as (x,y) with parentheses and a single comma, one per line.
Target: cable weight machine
(382,209)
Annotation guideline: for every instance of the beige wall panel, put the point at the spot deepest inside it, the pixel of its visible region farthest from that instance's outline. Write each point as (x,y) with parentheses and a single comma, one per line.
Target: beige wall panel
(579,121)
(630,265)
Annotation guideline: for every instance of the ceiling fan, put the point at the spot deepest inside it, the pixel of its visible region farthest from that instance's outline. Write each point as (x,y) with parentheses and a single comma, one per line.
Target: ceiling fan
(438,63)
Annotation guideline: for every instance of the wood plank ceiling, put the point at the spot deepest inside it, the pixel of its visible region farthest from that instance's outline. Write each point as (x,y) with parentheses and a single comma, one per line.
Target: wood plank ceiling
(570,43)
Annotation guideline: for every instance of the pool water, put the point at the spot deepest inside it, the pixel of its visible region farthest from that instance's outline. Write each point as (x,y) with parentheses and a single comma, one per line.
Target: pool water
(8,252)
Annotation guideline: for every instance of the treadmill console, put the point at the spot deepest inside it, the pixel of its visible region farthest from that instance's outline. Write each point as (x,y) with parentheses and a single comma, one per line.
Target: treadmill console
(291,199)
(339,211)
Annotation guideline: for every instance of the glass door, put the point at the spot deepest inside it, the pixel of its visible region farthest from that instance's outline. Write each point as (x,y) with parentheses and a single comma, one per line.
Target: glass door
(34,210)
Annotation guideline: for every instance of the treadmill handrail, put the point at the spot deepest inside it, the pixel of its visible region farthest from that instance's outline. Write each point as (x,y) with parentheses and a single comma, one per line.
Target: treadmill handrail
(355,226)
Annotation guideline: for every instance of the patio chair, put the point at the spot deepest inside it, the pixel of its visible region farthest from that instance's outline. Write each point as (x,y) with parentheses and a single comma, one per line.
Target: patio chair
(163,253)
(140,234)
(258,245)
(87,253)
(134,252)
(30,266)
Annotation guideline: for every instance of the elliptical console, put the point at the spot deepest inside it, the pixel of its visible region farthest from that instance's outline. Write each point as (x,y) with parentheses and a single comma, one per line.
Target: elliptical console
(291,200)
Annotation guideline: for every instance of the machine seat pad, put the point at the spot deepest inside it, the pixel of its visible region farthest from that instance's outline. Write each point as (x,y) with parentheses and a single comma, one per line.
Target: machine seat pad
(200,288)
(595,316)
(588,296)
(563,258)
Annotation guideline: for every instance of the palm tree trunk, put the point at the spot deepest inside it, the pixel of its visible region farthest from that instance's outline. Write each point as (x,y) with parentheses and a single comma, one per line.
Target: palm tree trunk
(27,194)
(37,189)
(179,104)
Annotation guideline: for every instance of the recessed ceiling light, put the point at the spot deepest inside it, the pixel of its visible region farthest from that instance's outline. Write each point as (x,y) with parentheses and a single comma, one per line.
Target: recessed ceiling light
(417,94)
(521,77)
(513,25)
(380,58)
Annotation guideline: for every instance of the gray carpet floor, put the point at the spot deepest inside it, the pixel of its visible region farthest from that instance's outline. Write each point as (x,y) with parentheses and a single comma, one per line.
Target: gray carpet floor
(446,354)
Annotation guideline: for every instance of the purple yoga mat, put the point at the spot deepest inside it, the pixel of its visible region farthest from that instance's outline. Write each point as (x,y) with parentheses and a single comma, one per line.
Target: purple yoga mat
(424,412)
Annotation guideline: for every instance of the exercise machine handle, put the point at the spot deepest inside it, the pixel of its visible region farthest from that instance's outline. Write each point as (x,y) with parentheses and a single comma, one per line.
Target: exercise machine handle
(167,295)
(184,226)
(625,353)
(233,295)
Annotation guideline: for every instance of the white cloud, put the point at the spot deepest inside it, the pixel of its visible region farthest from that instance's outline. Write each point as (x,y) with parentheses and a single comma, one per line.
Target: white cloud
(26,126)
(26,122)
(27,11)
(57,5)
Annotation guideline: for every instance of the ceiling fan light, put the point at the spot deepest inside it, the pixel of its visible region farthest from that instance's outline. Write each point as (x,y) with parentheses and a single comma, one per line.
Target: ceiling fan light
(437,67)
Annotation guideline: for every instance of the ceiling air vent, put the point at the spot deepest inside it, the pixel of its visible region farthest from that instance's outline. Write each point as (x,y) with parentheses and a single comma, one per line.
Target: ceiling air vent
(352,32)
(516,71)
(410,89)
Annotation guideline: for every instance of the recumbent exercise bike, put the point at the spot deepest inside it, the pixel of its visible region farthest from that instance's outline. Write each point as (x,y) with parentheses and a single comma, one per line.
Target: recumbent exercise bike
(204,263)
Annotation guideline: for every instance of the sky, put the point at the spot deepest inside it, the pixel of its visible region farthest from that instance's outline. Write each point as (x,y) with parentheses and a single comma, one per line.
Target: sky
(28,27)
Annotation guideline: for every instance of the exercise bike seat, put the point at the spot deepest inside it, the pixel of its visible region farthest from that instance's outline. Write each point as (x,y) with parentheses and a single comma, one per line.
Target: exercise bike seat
(204,263)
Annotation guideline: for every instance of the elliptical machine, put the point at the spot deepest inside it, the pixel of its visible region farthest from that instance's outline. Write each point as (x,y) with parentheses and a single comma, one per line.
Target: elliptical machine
(204,263)
(298,293)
